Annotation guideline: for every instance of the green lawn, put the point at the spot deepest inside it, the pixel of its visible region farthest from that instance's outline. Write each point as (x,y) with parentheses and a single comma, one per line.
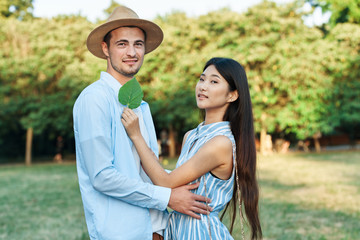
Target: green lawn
(41,202)
(303,196)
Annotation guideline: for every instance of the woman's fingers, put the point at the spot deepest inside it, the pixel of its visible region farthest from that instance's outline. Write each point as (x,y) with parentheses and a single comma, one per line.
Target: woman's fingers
(126,113)
(124,122)
(129,114)
(128,117)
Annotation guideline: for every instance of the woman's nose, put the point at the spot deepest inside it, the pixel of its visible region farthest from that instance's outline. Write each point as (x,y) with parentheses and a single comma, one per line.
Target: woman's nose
(203,86)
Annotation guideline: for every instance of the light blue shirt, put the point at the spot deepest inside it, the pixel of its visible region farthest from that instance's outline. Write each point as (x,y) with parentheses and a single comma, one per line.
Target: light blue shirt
(159,219)
(116,199)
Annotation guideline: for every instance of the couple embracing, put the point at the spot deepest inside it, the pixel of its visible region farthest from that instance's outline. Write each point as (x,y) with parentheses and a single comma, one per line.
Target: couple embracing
(124,189)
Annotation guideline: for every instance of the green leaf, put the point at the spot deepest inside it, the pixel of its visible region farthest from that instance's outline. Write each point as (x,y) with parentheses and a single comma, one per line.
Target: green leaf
(131,94)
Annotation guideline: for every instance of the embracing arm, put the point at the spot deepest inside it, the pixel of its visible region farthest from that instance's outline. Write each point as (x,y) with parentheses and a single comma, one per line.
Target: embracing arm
(216,153)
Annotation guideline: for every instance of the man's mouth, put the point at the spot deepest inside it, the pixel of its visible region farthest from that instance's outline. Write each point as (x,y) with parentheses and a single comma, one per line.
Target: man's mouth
(130,61)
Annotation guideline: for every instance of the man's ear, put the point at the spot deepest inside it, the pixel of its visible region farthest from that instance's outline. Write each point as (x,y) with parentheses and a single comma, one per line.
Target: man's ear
(105,49)
(233,96)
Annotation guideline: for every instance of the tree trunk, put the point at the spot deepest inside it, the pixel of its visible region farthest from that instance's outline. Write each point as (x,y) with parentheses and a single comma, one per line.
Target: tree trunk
(172,142)
(263,135)
(316,137)
(29,137)
(263,141)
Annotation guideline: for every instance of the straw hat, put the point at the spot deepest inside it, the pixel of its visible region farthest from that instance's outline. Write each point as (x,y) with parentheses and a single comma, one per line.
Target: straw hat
(122,17)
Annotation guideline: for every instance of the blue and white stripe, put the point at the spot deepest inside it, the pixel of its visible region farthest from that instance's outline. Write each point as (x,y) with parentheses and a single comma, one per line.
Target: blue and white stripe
(183,227)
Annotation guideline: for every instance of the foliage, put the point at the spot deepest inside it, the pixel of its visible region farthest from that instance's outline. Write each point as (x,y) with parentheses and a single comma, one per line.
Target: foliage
(344,70)
(170,73)
(131,94)
(42,71)
(301,81)
(341,11)
(112,6)
(286,62)
(19,9)
(280,60)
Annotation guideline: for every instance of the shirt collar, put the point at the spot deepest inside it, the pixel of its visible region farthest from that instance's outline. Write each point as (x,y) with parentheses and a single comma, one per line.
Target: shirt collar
(111,81)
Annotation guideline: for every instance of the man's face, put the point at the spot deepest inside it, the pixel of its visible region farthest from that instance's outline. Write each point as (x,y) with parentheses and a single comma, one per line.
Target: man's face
(126,50)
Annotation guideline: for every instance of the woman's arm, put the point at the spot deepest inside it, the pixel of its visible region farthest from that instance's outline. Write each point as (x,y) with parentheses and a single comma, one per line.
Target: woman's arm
(216,153)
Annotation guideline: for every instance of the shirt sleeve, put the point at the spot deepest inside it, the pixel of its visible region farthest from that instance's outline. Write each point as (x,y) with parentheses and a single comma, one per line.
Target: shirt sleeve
(92,124)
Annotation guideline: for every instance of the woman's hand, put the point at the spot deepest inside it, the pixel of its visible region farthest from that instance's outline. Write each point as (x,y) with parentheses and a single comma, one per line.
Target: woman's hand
(131,123)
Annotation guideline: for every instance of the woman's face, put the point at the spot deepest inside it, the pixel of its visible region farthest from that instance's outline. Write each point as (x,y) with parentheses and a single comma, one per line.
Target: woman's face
(212,91)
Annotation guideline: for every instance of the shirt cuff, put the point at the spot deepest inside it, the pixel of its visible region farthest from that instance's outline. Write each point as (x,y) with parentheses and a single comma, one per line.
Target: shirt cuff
(163,196)
(160,232)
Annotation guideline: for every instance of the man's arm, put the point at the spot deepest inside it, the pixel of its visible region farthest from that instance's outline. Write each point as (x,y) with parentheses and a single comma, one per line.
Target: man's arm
(186,202)
(92,124)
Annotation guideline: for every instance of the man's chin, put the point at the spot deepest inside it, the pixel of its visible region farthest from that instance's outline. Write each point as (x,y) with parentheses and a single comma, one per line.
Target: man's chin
(129,74)
(126,71)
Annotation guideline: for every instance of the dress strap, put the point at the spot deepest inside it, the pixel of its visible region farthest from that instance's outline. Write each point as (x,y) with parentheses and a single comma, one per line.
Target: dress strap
(240,205)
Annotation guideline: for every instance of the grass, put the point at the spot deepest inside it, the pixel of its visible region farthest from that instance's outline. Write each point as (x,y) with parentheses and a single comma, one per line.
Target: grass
(41,202)
(303,196)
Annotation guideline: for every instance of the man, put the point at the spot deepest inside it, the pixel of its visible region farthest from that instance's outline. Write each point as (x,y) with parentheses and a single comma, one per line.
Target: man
(118,202)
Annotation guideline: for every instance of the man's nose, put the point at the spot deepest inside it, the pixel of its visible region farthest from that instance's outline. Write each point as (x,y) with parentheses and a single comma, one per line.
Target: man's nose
(131,51)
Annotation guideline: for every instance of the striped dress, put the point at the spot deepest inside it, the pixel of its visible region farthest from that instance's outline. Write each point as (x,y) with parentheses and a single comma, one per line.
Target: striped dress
(183,227)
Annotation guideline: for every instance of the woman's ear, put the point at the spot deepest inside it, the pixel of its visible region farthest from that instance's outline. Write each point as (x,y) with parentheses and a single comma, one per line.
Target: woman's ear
(233,96)
(105,49)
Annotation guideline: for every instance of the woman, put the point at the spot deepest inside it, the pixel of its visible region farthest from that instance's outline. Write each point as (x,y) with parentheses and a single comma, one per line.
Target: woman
(220,153)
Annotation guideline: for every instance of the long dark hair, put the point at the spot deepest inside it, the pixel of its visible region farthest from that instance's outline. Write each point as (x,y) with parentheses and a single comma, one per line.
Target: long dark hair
(239,114)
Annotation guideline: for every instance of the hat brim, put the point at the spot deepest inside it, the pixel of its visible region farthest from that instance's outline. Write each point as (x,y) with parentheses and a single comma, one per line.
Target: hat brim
(154,34)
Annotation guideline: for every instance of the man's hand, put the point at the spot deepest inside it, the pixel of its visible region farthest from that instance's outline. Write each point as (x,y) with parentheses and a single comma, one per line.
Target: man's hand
(184,201)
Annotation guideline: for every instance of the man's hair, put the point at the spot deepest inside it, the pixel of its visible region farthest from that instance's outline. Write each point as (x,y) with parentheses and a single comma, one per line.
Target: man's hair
(107,38)
(108,35)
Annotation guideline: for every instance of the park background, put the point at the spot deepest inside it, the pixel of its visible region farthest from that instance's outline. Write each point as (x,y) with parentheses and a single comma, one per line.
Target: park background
(304,82)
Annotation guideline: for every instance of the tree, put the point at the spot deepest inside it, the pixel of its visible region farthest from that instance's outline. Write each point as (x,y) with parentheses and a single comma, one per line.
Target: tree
(344,70)
(169,76)
(302,82)
(286,61)
(341,11)
(42,70)
(19,9)
(112,6)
